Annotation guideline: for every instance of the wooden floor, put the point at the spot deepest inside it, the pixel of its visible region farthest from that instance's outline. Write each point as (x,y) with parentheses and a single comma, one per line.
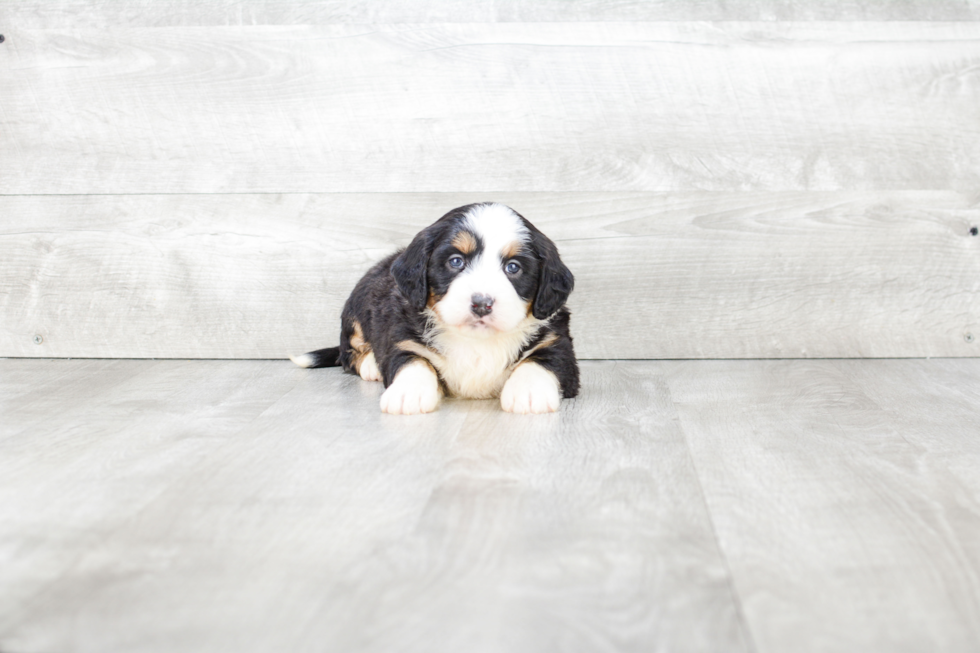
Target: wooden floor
(804,505)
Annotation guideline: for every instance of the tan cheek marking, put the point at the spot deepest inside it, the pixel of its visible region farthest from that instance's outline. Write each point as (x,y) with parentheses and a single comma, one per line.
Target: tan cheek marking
(433,300)
(433,307)
(465,242)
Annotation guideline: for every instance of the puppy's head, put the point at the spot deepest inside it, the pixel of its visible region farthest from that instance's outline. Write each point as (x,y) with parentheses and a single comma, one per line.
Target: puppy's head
(483,269)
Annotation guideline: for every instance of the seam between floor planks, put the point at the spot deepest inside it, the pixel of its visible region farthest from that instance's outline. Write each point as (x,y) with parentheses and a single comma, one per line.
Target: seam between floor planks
(740,609)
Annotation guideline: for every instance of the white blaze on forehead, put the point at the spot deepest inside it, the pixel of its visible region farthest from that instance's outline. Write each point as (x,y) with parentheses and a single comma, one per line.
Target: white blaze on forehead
(497,225)
(476,352)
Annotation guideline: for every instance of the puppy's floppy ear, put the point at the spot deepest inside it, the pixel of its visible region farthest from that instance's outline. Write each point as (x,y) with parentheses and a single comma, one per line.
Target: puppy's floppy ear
(410,269)
(555,282)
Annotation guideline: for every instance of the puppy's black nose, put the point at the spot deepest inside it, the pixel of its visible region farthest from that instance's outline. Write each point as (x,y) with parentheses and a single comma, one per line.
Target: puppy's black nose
(482,305)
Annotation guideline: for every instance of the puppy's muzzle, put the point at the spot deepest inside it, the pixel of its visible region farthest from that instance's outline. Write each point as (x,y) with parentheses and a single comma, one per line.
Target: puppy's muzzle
(481,305)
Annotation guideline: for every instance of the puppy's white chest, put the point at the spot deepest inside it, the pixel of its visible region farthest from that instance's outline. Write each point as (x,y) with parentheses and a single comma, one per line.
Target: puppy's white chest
(477,368)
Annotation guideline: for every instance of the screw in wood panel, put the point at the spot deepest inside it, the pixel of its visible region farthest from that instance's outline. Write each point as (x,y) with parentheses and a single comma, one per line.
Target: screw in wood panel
(38,339)
(968,337)
(974,231)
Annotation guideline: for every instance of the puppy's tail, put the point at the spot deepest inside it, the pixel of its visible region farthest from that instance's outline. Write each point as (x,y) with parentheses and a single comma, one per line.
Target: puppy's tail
(329,357)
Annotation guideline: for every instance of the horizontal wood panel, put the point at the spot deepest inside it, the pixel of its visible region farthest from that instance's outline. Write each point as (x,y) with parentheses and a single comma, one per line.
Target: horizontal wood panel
(106,13)
(544,107)
(659,275)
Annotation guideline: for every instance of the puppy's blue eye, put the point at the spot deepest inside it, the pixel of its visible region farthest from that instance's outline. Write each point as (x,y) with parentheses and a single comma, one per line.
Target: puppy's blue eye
(512,268)
(456,262)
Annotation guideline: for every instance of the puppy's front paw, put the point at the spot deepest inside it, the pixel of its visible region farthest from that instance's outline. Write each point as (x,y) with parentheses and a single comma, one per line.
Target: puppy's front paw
(531,389)
(414,390)
(368,368)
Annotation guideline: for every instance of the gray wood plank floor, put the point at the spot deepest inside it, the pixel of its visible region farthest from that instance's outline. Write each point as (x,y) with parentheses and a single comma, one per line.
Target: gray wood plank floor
(808,505)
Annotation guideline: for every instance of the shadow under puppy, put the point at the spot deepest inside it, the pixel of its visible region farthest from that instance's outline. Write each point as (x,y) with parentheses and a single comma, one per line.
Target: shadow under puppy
(474,307)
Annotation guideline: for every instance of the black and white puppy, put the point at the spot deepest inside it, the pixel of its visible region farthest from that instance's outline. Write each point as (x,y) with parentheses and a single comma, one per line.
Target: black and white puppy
(474,307)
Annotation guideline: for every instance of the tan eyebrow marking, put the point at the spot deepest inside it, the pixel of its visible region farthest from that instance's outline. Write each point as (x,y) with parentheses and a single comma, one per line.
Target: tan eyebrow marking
(511,250)
(465,242)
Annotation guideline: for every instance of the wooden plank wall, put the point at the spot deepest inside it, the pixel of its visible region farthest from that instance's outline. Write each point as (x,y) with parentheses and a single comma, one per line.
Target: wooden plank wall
(727,180)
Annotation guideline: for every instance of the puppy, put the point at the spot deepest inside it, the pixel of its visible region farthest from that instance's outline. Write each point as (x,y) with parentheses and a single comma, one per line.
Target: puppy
(474,307)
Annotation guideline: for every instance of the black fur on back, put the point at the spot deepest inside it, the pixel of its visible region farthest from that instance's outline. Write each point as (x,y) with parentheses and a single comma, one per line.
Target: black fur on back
(386,317)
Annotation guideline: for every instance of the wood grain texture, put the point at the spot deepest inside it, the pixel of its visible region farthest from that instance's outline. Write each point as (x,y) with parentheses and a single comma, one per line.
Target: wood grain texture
(659,275)
(158,13)
(845,497)
(254,506)
(482,107)
(251,505)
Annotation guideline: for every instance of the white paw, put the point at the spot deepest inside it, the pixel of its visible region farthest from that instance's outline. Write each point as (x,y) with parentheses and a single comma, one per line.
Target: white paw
(531,389)
(414,390)
(368,369)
